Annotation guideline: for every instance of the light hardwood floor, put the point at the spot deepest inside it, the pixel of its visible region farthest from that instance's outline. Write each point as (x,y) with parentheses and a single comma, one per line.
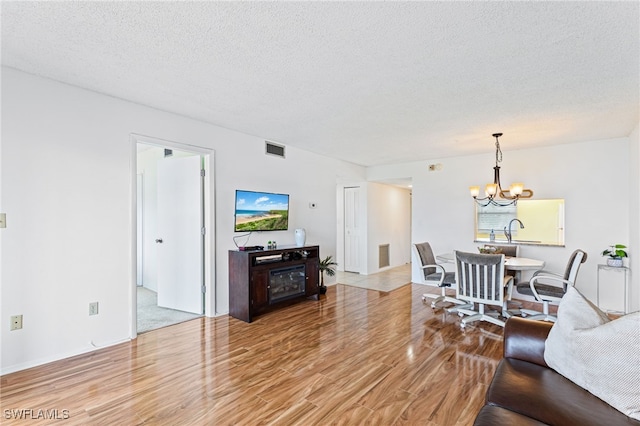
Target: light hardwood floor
(355,357)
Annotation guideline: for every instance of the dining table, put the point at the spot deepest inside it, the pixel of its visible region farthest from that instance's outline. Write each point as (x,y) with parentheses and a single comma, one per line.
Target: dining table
(512,263)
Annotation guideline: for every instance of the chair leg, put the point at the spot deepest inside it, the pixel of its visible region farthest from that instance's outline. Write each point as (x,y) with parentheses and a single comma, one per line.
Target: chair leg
(470,319)
(480,315)
(443,298)
(435,297)
(465,311)
(454,300)
(438,298)
(457,304)
(543,317)
(508,313)
(454,309)
(493,320)
(531,314)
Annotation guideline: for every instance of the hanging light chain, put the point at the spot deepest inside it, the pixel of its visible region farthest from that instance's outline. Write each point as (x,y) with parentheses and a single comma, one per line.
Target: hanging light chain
(498,151)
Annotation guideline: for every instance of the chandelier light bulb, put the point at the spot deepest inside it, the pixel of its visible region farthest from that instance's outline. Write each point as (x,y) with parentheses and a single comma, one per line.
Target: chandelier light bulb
(516,188)
(491,189)
(474,191)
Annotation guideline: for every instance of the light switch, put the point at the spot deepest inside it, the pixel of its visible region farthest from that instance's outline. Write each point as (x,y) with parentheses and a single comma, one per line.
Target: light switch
(3,220)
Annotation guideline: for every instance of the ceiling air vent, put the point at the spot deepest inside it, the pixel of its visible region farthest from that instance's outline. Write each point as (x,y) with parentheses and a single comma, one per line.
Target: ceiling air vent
(274,149)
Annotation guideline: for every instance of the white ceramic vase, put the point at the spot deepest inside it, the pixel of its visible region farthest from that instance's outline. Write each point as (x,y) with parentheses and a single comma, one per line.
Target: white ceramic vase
(615,262)
(300,234)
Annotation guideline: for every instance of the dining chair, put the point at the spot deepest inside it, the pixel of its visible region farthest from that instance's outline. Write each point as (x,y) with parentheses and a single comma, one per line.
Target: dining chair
(433,273)
(547,287)
(510,250)
(481,280)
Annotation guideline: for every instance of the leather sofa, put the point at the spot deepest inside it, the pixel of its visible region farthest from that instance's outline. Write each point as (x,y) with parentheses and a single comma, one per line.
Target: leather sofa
(525,391)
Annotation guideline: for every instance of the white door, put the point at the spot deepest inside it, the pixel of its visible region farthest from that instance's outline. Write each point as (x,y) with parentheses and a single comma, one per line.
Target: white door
(352,229)
(180,240)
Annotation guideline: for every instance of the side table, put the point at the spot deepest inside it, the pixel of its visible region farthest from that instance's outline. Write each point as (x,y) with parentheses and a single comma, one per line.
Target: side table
(613,288)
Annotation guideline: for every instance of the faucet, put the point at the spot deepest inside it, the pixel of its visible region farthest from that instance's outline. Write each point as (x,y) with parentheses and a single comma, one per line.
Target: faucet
(507,232)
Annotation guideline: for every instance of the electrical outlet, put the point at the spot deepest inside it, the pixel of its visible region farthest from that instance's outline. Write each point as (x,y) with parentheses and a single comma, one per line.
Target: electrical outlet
(16,322)
(93,308)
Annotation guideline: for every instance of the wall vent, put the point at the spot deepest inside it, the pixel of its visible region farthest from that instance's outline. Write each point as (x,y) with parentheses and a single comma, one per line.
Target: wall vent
(274,149)
(383,255)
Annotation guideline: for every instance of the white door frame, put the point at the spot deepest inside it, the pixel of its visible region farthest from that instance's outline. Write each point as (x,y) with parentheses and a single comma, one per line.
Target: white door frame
(209,221)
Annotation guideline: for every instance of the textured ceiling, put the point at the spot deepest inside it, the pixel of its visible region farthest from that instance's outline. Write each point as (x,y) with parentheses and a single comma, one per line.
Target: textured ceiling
(371,83)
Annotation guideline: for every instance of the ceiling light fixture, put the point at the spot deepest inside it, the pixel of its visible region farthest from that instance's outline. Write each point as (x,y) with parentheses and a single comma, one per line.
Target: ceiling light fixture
(493,190)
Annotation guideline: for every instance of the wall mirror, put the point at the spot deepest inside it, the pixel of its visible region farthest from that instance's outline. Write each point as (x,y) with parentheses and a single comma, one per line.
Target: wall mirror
(543,222)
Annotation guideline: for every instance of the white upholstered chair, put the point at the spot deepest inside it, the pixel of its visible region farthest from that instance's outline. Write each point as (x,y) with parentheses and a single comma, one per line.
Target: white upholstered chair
(482,282)
(547,287)
(432,273)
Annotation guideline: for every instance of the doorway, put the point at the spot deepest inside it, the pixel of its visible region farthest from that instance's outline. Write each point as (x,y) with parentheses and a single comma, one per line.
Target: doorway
(372,215)
(172,199)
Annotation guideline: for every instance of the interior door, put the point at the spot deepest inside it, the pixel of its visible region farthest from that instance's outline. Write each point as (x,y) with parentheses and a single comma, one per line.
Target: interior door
(352,229)
(180,240)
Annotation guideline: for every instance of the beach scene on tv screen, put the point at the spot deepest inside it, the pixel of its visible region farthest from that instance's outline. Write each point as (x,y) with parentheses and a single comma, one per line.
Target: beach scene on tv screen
(261,211)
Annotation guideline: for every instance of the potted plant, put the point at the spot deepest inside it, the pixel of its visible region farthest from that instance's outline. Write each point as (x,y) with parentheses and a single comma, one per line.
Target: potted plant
(326,265)
(615,254)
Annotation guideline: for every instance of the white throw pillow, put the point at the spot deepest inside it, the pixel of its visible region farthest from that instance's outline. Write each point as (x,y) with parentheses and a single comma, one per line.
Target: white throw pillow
(597,354)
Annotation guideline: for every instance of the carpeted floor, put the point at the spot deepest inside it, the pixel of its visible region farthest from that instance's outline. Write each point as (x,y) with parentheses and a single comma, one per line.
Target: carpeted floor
(151,316)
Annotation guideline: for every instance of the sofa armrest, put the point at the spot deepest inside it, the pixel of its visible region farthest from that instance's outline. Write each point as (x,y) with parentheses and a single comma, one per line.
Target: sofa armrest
(524,339)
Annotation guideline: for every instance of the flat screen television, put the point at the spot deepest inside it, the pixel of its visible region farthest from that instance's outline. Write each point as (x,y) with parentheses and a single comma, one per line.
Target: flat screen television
(261,211)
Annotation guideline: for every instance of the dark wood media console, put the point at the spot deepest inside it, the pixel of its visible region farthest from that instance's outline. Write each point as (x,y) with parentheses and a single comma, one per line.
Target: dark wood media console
(262,280)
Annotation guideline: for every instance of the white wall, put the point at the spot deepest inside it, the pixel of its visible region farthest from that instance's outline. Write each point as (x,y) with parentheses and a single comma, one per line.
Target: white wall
(593,177)
(388,222)
(67,187)
(634,218)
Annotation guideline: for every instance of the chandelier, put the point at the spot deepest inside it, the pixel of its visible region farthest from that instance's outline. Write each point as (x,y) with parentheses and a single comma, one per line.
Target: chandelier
(494,190)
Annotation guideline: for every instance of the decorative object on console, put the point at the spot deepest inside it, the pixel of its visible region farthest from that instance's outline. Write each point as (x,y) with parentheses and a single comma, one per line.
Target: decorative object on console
(300,235)
(615,252)
(326,266)
(490,250)
(493,190)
